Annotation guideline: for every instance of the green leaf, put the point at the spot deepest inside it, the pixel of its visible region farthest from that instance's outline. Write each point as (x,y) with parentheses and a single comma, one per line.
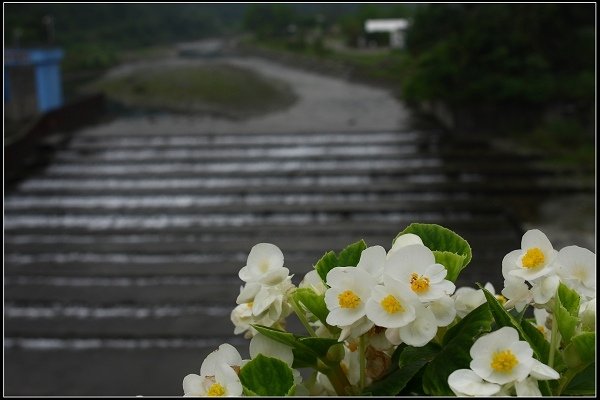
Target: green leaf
(581,350)
(410,362)
(450,250)
(267,376)
(537,337)
(453,263)
(565,320)
(307,350)
(583,384)
(312,302)
(455,353)
(569,299)
(350,256)
(318,346)
(326,264)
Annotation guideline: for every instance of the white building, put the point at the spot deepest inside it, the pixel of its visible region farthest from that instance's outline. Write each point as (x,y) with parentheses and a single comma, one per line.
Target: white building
(395,27)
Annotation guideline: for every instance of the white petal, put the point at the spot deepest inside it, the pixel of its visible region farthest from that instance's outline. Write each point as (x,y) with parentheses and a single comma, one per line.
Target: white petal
(261,344)
(345,316)
(248,292)
(404,240)
(263,300)
(229,355)
(274,276)
(419,332)
(541,371)
(487,344)
(528,388)
(264,256)
(443,310)
(509,262)
(536,238)
(313,281)
(228,378)
(466,382)
(192,385)
(393,335)
(372,260)
(545,289)
(577,266)
(436,273)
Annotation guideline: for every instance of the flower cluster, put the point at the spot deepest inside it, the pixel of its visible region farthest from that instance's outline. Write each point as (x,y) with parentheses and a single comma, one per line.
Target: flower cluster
(393,323)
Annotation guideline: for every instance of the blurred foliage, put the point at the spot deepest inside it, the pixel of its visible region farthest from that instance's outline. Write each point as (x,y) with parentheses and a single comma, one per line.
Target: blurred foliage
(93,34)
(525,54)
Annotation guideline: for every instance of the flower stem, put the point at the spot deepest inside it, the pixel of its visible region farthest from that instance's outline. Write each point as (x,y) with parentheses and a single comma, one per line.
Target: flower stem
(302,317)
(362,347)
(553,340)
(338,380)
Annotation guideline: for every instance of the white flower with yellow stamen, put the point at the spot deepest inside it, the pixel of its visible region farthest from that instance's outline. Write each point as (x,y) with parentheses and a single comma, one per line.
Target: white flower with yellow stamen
(346,299)
(534,260)
(218,374)
(392,305)
(264,265)
(223,383)
(500,357)
(415,266)
(577,269)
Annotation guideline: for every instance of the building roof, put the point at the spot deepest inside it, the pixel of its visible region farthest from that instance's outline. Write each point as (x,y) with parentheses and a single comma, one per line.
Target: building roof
(385,25)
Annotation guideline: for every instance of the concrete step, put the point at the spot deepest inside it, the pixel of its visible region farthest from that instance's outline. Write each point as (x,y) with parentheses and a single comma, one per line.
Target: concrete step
(149,367)
(424,186)
(105,291)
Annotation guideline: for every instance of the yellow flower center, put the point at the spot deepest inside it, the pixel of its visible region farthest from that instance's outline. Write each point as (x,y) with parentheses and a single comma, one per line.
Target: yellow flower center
(504,361)
(216,390)
(501,299)
(533,258)
(250,304)
(263,266)
(541,328)
(391,305)
(348,299)
(418,283)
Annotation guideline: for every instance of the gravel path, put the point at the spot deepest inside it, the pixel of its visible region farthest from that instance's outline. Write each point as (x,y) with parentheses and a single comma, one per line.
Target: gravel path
(325,104)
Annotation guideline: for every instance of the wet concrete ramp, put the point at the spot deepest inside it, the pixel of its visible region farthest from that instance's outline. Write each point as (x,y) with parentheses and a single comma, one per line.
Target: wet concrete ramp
(121,257)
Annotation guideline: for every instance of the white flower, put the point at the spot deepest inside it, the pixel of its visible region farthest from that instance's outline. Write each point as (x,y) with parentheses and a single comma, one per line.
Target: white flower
(415,266)
(272,297)
(351,363)
(500,357)
(264,265)
(533,260)
(528,387)
(517,292)
(350,289)
(392,305)
(404,240)
(465,382)
(577,269)
(443,310)
(467,299)
(417,333)
(542,372)
(223,382)
(241,316)
(218,375)
(544,289)
(541,321)
(372,260)
(313,281)
(358,328)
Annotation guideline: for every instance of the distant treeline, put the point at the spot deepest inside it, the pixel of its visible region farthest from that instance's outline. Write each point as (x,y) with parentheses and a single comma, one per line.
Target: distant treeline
(92,34)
